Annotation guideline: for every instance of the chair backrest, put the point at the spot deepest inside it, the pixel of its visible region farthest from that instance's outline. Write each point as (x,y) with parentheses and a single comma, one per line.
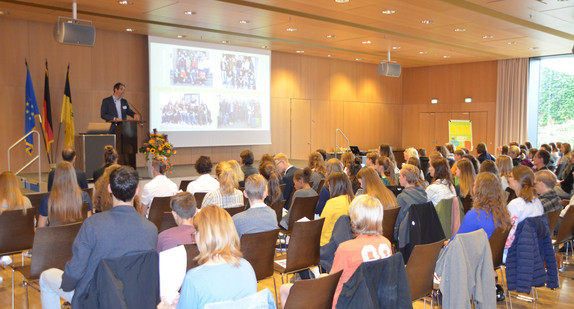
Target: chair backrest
(389,219)
(278,208)
(90,191)
(314,293)
(199,196)
(192,252)
(183,184)
(553,220)
(16,231)
(511,195)
(497,241)
(566,227)
(167,221)
(259,250)
(302,207)
(234,210)
(420,268)
(396,189)
(52,247)
(467,203)
(36,199)
(158,206)
(303,250)
(320,186)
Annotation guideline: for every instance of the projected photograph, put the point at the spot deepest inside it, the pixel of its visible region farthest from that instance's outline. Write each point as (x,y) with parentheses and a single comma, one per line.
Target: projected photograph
(238,72)
(187,110)
(239,113)
(191,68)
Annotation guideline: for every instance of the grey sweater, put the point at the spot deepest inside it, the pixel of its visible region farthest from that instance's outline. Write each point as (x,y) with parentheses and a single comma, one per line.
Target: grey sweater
(255,220)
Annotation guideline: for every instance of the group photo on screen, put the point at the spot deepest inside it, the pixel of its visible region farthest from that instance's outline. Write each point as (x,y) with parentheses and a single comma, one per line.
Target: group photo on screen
(191,68)
(238,72)
(239,113)
(188,110)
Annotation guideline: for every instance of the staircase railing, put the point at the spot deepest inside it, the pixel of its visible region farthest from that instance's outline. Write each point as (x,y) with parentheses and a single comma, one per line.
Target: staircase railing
(34,159)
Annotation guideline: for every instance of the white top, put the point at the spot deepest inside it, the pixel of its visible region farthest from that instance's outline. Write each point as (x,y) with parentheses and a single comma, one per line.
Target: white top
(160,185)
(439,191)
(519,210)
(224,201)
(504,182)
(204,183)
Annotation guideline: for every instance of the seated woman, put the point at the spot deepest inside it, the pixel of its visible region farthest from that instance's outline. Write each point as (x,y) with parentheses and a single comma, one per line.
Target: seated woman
(441,186)
(110,157)
(222,273)
(526,204)
(301,180)
(372,185)
(64,203)
(227,196)
(317,165)
(333,165)
(386,168)
(488,206)
(366,213)
(341,194)
(239,175)
(465,176)
(353,170)
(269,172)
(504,164)
(11,198)
(102,198)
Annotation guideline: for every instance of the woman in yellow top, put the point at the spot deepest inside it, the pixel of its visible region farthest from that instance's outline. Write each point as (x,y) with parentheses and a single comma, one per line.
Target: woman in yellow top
(341,195)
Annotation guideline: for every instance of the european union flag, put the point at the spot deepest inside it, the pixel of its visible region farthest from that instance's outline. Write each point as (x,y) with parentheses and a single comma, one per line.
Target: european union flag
(31,112)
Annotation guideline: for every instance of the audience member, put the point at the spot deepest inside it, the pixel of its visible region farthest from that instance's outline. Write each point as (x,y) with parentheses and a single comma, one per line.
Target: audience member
(287,170)
(474,162)
(110,157)
(372,185)
(483,153)
(564,187)
(488,166)
(101,237)
(333,165)
(204,183)
(317,165)
(514,154)
(544,183)
(385,150)
(246,159)
(504,165)
(465,175)
(11,198)
(159,186)
(457,155)
(347,158)
(183,207)
(354,169)
(69,155)
(372,159)
(341,193)
(387,170)
(259,217)
(566,153)
(64,203)
(102,198)
(303,189)
(413,193)
(541,160)
(530,154)
(227,195)
(268,171)
(239,176)
(266,158)
(323,153)
(551,165)
(442,186)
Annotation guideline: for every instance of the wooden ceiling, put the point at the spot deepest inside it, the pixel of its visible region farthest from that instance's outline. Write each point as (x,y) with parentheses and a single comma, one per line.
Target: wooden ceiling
(458,31)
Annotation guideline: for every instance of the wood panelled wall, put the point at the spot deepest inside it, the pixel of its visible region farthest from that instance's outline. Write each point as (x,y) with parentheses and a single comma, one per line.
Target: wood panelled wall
(450,84)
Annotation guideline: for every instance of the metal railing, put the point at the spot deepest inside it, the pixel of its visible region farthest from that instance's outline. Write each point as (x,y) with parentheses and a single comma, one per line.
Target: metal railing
(37,157)
(337,140)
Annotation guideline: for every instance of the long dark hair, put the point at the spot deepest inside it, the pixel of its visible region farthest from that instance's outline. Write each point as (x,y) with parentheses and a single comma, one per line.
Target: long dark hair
(339,184)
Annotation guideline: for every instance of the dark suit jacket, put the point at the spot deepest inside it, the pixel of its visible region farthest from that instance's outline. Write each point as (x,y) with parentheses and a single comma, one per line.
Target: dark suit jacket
(289,185)
(81,176)
(108,111)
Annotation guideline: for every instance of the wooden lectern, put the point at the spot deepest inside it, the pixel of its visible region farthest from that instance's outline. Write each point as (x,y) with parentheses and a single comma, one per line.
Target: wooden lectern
(127,141)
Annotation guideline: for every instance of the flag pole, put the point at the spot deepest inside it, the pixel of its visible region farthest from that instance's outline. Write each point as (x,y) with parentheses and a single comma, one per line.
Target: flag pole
(40,120)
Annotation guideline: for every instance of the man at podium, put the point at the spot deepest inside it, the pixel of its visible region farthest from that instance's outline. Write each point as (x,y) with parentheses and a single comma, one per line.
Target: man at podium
(115,107)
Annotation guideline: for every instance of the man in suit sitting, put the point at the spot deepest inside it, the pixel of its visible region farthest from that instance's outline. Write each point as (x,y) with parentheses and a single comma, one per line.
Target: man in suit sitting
(288,171)
(116,108)
(69,154)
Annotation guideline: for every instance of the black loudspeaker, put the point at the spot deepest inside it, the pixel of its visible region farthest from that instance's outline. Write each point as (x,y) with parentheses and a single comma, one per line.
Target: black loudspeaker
(74,33)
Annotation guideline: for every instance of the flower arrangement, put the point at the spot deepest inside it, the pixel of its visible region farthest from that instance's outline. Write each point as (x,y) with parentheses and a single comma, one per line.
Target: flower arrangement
(157,145)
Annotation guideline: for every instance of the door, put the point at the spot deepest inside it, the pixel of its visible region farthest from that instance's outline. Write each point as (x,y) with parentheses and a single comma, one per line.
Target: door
(300,129)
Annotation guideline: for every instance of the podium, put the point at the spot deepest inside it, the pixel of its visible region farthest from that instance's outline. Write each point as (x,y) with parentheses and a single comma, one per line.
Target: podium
(127,141)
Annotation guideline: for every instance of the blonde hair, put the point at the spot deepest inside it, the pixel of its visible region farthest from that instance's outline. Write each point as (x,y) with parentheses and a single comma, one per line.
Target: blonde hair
(412,174)
(467,176)
(65,201)
(374,186)
(317,163)
(236,167)
(281,157)
(159,164)
(504,164)
(217,236)
(347,158)
(546,177)
(411,152)
(525,176)
(226,177)
(102,198)
(10,192)
(490,197)
(366,213)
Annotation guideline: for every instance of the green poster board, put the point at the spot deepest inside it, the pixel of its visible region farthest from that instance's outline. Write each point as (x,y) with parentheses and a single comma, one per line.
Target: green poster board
(460,133)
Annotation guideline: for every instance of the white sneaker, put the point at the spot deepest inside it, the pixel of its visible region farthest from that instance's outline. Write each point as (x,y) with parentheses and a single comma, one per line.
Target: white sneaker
(6,260)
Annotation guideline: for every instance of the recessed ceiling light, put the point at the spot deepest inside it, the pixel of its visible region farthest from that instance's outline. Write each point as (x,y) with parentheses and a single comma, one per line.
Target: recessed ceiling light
(358,59)
(423,52)
(264,46)
(446,56)
(243,21)
(511,42)
(4,12)
(460,29)
(125,2)
(225,42)
(130,30)
(488,36)
(366,42)
(533,48)
(291,29)
(180,36)
(396,47)
(434,101)
(300,51)
(341,1)
(427,21)
(189,13)
(331,36)
(388,12)
(330,55)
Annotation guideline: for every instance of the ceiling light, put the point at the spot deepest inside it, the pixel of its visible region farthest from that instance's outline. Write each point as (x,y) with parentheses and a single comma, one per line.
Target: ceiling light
(300,51)
(189,13)
(330,55)
(460,29)
(130,30)
(358,59)
(434,101)
(125,2)
(445,56)
(341,1)
(511,43)
(388,12)
(396,47)
(225,42)
(331,36)
(366,42)
(243,21)
(423,52)
(533,48)
(467,100)
(264,46)
(180,36)
(291,29)
(427,21)
(488,36)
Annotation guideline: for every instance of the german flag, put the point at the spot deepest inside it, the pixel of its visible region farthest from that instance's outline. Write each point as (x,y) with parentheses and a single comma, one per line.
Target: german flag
(47,113)
(67,116)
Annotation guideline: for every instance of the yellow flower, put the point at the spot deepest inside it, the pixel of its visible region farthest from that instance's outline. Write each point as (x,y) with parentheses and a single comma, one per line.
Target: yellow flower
(174,152)
(152,141)
(152,150)
(147,149)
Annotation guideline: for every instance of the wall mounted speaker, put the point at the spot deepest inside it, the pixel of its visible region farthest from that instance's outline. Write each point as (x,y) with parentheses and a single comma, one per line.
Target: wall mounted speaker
(389,69)
(75,33)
